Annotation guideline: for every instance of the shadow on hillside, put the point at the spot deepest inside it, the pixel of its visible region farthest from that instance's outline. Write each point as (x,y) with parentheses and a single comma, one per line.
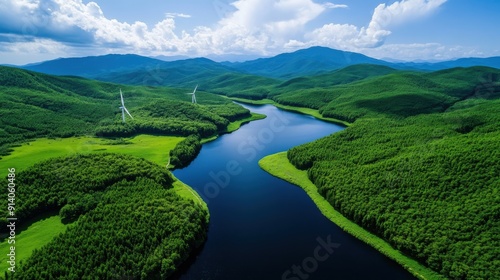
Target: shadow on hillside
(24,224)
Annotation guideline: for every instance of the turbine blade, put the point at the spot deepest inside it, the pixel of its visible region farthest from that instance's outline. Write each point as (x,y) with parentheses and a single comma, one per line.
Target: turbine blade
(123,114)
(121,97)
(195,89)
(128,112)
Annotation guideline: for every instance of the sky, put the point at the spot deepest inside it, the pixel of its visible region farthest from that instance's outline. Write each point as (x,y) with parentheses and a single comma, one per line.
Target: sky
(407,30)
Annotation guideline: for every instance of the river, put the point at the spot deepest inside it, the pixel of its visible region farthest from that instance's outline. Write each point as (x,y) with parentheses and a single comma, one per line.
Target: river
(262,227)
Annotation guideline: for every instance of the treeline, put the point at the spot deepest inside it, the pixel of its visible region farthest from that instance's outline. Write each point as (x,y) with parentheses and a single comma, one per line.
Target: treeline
(427,184)
(185,152)
(175,118)
(130,223)
(174,127)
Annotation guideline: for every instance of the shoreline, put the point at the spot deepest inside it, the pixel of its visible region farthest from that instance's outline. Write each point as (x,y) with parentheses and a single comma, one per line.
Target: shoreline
(278,166)
(19,157)
(299,110)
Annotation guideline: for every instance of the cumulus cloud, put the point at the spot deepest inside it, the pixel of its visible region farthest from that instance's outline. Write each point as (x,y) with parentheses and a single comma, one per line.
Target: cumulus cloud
(278,19)
(374,35)
(251,26)
(72,21)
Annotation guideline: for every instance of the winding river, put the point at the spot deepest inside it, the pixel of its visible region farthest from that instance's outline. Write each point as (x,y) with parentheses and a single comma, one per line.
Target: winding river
(262,227)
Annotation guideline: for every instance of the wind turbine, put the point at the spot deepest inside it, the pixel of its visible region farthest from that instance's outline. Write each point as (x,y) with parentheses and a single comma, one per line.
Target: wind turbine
(193,99)
(124,110)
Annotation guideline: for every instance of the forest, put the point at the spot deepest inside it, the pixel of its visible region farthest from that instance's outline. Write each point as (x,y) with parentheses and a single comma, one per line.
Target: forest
(120,209)
(418,166)
(124,214)
(37,105)
(185,151)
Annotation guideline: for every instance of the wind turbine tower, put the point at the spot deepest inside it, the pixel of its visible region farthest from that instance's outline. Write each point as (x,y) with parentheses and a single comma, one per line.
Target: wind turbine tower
(193,94)
(124,109)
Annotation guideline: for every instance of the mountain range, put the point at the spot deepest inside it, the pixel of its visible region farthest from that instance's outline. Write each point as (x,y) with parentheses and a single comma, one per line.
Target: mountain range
(135,69)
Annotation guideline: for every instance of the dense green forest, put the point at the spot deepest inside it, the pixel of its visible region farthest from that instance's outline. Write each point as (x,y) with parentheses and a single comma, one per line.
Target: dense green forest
(128,222)
(185,151)
(418,166)
(38,105)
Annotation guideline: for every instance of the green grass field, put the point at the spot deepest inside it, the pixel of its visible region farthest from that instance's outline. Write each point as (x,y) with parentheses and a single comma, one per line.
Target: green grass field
(35,236)
(279,166)
(153,148)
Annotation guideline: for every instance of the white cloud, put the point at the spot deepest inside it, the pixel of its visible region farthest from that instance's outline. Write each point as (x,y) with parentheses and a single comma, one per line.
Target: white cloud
(278,19)
(349,36)
(335,6)
(261,27)
(174,15)
(397,13)
(427,51)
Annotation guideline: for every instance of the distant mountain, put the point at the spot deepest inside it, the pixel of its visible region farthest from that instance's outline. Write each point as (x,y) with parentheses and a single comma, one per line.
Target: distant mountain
(93,66)
(186,72)
(171,58)
(306,62)
(493,62)
(209,75)
(173,71)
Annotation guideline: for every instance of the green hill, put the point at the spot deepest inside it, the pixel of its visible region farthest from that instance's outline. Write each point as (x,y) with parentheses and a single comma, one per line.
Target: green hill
(208,74)
(39,105)
(418,166)
(111,201)
(345,75)
(399,93)
(129,220)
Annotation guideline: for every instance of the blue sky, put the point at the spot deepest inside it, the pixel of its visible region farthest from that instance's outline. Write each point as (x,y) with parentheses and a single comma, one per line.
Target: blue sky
(37,30)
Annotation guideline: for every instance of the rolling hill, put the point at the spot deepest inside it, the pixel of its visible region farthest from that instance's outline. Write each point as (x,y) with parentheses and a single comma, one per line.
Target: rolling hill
(418,166)
(39,105)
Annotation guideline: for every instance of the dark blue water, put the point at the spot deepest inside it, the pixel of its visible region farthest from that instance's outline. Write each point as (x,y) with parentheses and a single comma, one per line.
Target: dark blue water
(262,227)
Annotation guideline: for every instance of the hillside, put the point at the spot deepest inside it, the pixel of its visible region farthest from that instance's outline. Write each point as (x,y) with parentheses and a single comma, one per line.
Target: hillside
(39,105)
(418,165)
(126,220)
(186,73)
(398,93)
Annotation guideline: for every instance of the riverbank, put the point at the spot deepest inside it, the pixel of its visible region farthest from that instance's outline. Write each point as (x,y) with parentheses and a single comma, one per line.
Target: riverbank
(279,166)
(145,146)
(300,110)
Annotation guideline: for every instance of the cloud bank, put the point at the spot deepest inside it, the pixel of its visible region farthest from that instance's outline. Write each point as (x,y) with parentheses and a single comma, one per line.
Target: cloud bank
(260,27)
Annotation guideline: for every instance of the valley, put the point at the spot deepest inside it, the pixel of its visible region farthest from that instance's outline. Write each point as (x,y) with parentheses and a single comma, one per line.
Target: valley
(403,157)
